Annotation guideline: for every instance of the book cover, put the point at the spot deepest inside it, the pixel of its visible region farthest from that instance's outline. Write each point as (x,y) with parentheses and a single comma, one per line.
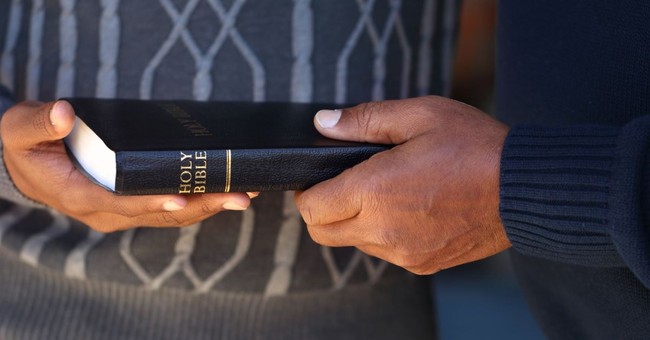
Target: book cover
(138,147)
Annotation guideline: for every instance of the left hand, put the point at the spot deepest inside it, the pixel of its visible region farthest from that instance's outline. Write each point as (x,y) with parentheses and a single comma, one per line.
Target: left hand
(431,202)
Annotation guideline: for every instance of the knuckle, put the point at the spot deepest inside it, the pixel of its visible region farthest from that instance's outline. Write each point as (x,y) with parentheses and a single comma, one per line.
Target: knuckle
(317,235)
(367,120)
(41,121)
(208,208)
(120,209)
(170,219)
(305,210)
(38,123)
(309,217)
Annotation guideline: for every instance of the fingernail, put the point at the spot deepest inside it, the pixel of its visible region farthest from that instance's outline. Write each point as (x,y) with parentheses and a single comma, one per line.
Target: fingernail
(252,194)
(59,115)
(55,114)
(173,205)
(232,206)
(328,118)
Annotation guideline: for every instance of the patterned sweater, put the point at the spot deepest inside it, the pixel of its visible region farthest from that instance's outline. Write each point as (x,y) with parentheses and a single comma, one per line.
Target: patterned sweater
(238,275)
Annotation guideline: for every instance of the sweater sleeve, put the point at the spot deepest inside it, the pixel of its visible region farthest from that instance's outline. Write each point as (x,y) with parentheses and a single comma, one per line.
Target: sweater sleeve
(8,190)
(579,195)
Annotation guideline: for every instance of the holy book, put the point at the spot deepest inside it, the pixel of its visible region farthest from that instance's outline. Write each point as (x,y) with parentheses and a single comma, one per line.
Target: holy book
(140,147)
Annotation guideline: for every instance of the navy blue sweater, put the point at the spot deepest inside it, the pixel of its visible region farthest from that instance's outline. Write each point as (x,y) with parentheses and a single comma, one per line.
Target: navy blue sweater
(574,82)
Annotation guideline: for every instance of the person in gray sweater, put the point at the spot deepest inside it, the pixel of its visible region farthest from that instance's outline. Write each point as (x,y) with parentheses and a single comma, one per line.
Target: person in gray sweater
(73,262)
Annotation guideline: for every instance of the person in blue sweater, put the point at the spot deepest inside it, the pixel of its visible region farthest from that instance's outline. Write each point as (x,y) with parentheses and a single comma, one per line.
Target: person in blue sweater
(563,175)
(567,185)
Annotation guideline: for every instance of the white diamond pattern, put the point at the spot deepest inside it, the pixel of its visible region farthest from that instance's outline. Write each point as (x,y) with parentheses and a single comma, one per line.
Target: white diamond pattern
(33,246)
(340,277)
(302,83)
(380,44)
(11,217)
(181,263)
(204,61)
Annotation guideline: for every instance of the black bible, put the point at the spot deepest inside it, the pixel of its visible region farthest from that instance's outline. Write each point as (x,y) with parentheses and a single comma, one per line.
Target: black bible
(138,147)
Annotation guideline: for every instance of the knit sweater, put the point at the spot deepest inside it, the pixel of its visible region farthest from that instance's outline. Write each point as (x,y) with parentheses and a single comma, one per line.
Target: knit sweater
(239,275)
(573,79)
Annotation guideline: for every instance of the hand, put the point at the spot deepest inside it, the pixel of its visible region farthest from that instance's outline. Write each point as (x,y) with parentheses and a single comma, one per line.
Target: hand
(429,203)
(37,162)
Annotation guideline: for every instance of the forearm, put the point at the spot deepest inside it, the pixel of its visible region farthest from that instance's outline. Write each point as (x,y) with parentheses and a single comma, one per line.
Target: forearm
(8,190)
(576,195)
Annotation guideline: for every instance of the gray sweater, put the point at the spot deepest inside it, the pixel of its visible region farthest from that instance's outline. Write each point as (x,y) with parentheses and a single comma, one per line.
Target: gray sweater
(239,275)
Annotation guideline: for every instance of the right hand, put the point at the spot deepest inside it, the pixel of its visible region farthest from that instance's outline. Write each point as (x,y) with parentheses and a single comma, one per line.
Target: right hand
(39,166)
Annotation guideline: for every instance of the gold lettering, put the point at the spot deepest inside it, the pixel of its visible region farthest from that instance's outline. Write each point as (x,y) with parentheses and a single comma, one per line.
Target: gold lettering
(185,189)
(186,176)
(193,174)
(186,164)
(185,156)
(185,119)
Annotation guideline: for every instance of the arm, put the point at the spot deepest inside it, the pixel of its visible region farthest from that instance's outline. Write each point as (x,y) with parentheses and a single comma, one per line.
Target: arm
(579,194)
(437,199)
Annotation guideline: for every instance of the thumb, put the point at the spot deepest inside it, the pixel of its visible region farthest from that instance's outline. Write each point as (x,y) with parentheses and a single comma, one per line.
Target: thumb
(385,122)
(31,123)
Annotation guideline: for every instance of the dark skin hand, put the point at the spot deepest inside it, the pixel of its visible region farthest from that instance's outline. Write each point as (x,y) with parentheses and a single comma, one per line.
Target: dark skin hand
(431,202)
(37,162)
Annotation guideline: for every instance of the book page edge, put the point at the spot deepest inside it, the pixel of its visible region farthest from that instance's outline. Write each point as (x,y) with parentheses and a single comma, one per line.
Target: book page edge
(92,154)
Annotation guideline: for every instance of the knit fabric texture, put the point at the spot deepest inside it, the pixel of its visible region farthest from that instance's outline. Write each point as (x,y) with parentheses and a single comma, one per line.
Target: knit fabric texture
(238,275)
(572,80)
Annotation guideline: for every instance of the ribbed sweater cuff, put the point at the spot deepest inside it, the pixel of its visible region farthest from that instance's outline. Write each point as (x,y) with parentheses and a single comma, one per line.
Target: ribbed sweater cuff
(554,193)
(7,188)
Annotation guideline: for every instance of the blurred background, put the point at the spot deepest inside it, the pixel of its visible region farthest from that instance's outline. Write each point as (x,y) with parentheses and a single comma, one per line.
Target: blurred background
(480,300)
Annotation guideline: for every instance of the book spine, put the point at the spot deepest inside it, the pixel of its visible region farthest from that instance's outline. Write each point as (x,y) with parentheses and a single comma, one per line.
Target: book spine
(210,171)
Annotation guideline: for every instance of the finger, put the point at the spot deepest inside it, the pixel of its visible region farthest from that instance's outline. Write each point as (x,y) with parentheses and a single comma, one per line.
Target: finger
(334,200)
(385,122)
(198,208)
(212,203)
(337,234)
(31,123)
(83,193)
(182,206)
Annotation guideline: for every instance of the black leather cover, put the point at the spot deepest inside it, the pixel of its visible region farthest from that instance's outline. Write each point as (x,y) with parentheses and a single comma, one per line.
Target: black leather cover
(240,146)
